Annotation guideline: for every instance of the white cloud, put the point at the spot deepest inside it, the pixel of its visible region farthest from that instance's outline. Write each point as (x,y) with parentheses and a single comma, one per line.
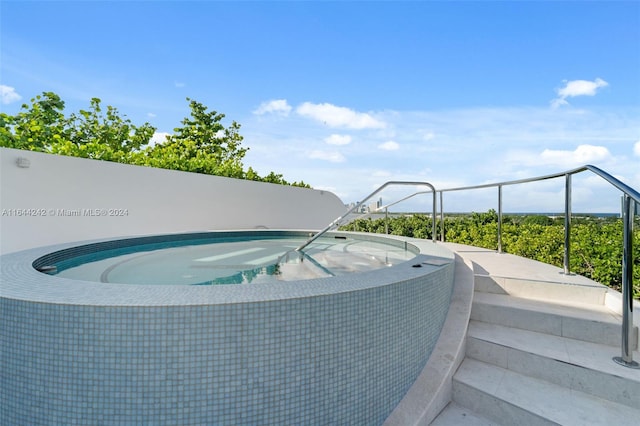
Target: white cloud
(276,106)
(428,136)
(151,115)
(389,146)
(338,139)
(8,94)
(158,138)
(558,102)
(577,88)
(179,84)
(335,116)
(333,157)
(583,154)
(581,88)
(475,145)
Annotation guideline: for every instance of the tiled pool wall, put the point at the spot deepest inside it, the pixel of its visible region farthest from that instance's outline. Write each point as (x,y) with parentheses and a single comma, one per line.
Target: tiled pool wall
(334,357)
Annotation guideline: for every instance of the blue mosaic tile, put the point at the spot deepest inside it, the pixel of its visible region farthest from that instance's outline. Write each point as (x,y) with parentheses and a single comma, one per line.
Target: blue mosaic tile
(343,350)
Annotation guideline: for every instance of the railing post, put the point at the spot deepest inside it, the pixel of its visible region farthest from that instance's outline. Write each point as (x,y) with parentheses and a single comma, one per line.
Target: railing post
(386,220)
(441,218)
(628,212)
(499,218)
(434,229)
(567,223)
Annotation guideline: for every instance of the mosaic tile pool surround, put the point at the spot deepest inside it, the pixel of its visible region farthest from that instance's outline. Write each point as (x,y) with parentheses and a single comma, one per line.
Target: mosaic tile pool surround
(342,350)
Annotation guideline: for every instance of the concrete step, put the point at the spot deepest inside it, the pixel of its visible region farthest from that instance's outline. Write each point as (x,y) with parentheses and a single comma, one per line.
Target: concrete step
(576,320)
(571,287)
(509,398)
(456,415)
(574,364)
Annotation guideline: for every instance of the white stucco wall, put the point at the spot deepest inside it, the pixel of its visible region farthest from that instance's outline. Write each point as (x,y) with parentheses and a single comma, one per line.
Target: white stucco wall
(62,199)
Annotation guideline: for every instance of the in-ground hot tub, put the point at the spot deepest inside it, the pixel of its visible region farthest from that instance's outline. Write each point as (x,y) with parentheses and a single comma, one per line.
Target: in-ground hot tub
(341,349)
(222,258)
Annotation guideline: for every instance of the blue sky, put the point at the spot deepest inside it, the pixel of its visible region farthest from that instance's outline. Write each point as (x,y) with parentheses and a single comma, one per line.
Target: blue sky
(349,95)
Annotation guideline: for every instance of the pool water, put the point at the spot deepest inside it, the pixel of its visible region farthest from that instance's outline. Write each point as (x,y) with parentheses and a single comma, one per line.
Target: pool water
(219,261)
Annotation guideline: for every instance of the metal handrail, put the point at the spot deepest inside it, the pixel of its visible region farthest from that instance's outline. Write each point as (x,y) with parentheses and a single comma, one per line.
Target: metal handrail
(630,198)
(606,176)
(624,188)
(339,220)
(385,209)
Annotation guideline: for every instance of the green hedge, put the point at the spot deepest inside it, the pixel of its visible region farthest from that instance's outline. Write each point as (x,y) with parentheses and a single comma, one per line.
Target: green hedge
(596,243)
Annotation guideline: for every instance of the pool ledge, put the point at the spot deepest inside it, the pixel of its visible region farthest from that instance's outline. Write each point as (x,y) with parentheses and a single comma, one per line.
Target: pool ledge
(22,282)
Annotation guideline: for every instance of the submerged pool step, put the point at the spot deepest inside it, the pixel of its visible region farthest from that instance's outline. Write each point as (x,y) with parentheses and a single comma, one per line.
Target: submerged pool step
(229,255)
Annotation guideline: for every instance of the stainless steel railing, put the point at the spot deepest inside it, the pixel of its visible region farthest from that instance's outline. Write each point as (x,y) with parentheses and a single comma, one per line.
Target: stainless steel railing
(631,198)
(338,221)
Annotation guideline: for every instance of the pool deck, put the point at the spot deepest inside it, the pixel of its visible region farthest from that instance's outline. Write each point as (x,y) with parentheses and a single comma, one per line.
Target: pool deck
(537,348)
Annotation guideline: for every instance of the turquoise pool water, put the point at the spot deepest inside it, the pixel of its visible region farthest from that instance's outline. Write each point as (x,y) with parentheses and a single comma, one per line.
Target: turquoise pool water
(230,260)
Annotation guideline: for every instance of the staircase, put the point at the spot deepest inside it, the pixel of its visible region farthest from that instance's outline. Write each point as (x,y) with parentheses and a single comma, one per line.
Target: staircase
(539,352)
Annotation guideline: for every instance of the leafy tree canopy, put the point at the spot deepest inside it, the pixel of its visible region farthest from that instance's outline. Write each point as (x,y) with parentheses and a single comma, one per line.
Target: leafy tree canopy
(201,145)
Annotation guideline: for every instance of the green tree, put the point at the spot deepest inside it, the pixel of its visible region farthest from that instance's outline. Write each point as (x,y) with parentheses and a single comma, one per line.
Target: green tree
(42,126)
(538,220)
(36,126)
(201,145)
(107,128)
(101,135)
